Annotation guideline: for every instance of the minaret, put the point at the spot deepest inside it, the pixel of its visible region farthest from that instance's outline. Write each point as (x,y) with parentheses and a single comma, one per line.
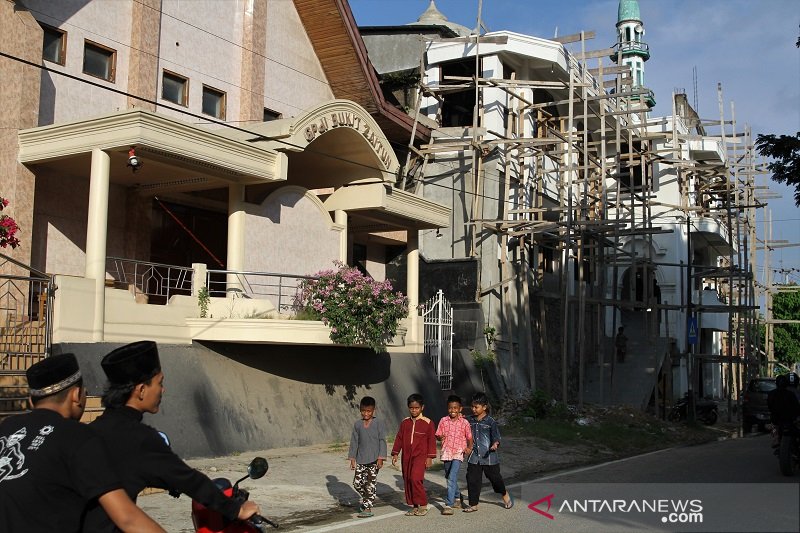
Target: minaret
(633,51)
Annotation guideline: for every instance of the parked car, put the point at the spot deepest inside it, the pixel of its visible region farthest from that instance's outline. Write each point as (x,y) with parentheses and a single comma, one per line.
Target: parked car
(754,403)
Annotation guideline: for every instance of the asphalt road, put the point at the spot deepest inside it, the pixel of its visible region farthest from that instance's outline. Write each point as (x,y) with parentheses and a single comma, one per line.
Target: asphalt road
(734,484)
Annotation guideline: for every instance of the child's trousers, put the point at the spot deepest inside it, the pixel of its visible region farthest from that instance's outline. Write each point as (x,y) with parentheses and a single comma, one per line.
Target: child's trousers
(364,482)
(475,477)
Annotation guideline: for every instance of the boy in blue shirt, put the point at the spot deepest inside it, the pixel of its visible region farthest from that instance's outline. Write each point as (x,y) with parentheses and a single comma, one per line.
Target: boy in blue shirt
(483,458)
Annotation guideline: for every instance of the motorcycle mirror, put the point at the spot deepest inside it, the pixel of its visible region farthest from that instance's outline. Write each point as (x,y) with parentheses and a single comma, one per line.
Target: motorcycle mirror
(258,468)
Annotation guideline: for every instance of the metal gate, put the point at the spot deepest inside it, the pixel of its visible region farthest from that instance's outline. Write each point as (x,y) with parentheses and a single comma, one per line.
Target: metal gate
(26,297)
(437,316)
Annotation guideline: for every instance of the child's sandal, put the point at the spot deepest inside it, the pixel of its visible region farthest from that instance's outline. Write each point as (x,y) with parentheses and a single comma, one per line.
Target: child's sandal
(421,511)
(411,512)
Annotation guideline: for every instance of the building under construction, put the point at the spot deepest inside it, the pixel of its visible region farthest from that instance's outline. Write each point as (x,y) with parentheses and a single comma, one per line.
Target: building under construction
(575,213)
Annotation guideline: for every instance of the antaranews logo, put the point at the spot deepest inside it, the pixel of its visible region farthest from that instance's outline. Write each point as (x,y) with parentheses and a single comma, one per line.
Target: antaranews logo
(672,511)
(534,506)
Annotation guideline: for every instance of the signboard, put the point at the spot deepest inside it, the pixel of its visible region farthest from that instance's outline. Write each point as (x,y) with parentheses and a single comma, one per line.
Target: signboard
(691,325)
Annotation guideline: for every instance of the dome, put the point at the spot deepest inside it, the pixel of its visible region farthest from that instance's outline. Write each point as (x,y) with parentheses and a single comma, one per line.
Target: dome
(433,17)
(628,10)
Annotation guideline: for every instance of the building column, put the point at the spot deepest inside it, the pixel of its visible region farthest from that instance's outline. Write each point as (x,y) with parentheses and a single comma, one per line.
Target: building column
(236,222)
(412,282)
(96,234)
(340,217)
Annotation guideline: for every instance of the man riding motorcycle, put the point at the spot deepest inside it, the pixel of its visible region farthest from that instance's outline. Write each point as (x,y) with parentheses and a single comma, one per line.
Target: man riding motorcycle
(784,401)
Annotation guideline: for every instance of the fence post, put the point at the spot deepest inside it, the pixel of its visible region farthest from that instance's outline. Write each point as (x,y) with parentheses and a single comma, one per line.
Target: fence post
(199,275)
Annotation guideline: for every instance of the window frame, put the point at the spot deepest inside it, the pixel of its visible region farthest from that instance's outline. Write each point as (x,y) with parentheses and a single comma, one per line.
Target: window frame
(185,102)
(223,102)
(112,57)
(63,48)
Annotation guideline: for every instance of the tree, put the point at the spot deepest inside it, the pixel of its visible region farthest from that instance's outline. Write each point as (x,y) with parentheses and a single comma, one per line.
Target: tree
(786,306)
(785,150)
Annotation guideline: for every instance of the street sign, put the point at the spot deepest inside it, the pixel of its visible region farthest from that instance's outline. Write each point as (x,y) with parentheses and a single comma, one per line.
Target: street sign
(692,329)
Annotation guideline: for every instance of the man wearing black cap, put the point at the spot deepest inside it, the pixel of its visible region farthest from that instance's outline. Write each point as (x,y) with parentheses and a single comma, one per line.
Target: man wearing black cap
(51,465)
(141,454)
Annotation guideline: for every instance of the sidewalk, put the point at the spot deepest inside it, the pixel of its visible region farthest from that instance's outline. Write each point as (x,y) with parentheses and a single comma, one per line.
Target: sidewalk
(309,487)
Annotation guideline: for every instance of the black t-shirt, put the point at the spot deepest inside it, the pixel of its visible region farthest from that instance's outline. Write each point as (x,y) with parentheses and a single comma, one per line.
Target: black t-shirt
(783,404)
(143,459)
(50,467)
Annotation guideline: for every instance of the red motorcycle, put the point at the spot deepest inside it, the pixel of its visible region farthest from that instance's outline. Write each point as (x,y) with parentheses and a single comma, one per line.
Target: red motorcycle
(207,521)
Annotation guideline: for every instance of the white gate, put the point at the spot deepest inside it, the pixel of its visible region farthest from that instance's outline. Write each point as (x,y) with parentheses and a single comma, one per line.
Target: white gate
(437,316)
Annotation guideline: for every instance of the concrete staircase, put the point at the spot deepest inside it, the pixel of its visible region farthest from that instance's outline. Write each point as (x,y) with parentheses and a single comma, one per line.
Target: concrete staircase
(632,382)
(21,345)
(13,393)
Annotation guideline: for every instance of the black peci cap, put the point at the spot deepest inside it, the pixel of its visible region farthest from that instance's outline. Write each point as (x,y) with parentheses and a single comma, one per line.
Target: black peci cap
(52,375)
(133,363)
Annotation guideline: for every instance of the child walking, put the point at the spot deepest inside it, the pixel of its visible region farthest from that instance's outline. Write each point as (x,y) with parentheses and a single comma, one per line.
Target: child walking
(417,442)
(483,458)
(367,453)
(456,437)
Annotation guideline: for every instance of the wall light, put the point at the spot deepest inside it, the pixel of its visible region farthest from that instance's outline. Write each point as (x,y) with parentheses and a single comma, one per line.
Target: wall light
(133,160)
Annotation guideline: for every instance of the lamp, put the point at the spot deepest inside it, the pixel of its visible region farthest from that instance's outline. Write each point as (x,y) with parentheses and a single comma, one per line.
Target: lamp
(133,160)
(438,234)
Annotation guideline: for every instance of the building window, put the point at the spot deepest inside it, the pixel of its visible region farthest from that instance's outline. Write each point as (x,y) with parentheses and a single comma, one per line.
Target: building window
(269,115)
(175,88)
(99,60)
(54,46)
(213,102)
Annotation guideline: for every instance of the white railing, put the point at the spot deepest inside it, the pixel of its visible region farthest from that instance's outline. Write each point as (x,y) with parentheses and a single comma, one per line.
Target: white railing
(152,279)
(280,289)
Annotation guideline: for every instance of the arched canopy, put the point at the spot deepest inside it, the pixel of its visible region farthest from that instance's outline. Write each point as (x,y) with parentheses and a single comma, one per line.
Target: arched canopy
(339,137)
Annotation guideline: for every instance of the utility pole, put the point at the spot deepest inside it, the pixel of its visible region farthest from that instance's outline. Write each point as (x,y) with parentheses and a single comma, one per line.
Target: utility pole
(690,322)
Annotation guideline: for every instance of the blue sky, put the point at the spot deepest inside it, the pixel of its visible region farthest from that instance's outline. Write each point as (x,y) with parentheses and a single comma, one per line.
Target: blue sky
(746,45)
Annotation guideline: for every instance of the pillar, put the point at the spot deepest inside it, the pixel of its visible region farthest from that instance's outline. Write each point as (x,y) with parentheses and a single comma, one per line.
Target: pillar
(236,223)
(96,234)
(340,217)
(412,282)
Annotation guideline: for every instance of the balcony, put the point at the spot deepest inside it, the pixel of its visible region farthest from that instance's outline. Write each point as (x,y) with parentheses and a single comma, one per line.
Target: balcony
(711,318)
(632,47)
(160,302)
(711,232)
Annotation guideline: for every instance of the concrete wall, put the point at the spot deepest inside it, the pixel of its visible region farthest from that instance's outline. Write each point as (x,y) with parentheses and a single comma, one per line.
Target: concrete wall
(290,232)
(226,398)
(59,230)
(294,77)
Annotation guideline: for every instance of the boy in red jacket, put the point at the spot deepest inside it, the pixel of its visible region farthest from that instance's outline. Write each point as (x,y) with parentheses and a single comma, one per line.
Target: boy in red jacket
(416,438)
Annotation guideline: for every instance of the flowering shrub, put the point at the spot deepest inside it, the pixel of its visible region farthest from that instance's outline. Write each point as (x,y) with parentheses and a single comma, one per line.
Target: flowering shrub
(358,309)
(8,228)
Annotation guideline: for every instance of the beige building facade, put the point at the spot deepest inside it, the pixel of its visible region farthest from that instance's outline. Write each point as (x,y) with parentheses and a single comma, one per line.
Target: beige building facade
(154,148)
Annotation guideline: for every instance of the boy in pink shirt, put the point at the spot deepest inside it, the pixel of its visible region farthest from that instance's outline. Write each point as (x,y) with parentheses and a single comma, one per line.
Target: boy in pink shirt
(456,438)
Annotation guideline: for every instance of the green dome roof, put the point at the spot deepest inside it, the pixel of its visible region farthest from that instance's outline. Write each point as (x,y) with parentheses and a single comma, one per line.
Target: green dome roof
(628,10)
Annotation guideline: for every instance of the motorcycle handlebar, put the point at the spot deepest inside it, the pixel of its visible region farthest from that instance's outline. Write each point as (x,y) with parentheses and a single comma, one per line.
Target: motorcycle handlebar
(261,522)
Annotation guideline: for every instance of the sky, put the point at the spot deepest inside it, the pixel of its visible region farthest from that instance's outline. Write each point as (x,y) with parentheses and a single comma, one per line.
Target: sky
(746,45)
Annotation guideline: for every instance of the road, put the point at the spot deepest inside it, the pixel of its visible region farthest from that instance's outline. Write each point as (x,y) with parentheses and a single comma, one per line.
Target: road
(731,485)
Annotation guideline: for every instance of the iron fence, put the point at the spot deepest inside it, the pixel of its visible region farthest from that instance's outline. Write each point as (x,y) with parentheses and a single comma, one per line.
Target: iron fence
(156,280)
(25,315)
(281,289)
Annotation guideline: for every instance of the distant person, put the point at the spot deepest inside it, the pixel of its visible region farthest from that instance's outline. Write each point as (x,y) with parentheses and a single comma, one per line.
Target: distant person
(367,453)
(456,437)
(51,465)
(483,458)
(621,344)
(416,440)
(141,454)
